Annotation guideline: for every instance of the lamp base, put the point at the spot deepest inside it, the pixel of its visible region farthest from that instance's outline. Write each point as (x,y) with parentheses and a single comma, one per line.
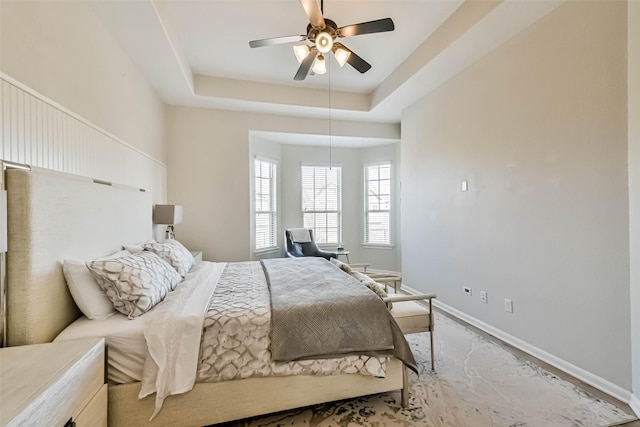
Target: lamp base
(169,234)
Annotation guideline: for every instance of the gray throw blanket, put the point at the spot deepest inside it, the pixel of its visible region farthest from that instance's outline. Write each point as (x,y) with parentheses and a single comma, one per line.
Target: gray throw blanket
(318,311)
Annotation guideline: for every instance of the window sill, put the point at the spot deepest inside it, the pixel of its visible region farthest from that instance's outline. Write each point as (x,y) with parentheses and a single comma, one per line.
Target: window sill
(378,246)
(266,251)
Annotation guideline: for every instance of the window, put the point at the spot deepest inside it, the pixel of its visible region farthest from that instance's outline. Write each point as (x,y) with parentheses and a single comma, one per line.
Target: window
(265,189)
(322,202)
(378,204)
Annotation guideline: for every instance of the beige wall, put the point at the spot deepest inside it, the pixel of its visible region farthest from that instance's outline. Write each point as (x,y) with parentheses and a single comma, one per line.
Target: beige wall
(633,90)
(209,158)
(60,50)
(73,101)
(538,127)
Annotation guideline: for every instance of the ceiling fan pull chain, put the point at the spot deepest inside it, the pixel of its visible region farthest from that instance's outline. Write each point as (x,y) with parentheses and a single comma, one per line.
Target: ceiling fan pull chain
(330,122)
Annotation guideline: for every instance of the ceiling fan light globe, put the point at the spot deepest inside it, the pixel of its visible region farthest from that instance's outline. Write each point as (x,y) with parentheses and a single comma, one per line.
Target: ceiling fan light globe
(324,42)
(342,55)
(319,67)
(301,52)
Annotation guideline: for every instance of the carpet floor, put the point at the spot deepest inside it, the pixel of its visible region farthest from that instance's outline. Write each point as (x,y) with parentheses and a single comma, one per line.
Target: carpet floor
(477,383)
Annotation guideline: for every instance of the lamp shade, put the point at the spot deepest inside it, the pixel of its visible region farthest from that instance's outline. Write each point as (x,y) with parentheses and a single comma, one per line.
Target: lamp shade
(301,52)
(319,67)
(167,214)
(342,55)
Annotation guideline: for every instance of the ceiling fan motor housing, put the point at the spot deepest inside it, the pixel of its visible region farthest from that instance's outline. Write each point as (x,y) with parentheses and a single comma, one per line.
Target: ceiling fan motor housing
(330,28)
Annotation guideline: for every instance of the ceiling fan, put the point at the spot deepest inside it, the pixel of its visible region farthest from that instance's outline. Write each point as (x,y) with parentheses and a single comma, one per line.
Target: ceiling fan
(323,33)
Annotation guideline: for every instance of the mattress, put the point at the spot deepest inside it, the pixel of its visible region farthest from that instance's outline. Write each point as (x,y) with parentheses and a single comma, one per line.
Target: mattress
(127,348)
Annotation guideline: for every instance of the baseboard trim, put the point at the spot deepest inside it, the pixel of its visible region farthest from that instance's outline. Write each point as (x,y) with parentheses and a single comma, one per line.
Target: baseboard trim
(593,380)
(634,403)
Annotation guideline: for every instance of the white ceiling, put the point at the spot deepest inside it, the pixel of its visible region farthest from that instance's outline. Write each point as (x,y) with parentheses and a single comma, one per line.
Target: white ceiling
(196,52)
(215,38)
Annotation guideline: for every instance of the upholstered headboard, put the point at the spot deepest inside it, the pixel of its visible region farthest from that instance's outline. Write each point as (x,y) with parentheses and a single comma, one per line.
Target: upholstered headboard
(53,216)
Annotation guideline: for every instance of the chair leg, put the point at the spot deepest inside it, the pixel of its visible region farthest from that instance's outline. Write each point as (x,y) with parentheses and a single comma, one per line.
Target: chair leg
(431,328)
(433,365)
(404,393)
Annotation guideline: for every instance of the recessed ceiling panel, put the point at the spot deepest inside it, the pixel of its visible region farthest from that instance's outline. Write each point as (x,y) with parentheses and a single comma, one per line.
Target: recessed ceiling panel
(215,35)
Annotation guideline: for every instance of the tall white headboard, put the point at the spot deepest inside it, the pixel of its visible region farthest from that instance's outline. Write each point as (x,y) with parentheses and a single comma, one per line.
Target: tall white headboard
(53,216)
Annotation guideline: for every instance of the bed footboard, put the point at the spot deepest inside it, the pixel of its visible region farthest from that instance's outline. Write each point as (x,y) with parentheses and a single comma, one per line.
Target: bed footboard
(212,403)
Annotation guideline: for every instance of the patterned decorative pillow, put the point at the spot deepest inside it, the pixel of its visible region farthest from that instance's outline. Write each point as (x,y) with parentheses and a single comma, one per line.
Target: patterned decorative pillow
(174,253)
(342,266)
(87,294)
(374,286)
(135,283)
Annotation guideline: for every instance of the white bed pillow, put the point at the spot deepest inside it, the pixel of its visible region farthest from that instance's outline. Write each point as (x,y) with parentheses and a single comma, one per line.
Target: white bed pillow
(134,249)
(87,294)
(174,253)
(135,283)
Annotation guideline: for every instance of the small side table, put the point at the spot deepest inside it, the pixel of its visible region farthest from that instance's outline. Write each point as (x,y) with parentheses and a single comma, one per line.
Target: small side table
(345,253)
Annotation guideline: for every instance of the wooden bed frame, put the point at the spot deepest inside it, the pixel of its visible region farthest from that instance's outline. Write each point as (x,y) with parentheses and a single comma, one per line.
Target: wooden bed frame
(53,216)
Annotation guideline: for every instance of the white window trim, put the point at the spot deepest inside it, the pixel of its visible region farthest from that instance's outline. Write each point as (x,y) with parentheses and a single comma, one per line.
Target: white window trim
(339,211)
(378,245)
(266,251)
(382,162)
(321,165)
(275,247)
(365,167)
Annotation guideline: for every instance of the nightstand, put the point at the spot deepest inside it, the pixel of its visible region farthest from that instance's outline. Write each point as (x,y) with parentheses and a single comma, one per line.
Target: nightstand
(197,255)
(345,253)
(54,384)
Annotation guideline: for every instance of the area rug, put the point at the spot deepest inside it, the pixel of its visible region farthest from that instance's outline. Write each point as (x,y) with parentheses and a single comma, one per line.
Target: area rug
(477,383)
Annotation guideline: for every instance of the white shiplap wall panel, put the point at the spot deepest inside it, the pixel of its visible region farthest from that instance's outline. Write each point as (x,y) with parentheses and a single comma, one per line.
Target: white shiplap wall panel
(38,132)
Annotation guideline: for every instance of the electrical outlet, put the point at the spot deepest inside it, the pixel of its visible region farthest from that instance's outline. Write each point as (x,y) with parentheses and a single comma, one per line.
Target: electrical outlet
(508,305)
(467,290)
(483,296)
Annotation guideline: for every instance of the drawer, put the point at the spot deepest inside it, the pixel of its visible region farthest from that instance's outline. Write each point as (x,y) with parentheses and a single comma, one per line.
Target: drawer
(94,414)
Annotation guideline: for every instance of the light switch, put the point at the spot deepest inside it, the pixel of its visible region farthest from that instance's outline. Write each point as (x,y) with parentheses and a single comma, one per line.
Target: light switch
(464,186)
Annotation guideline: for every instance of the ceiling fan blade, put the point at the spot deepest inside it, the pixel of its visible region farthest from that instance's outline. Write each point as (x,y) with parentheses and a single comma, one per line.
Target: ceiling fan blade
(356,62)
(377,26)
(305,66)
(313,11)
(277,40)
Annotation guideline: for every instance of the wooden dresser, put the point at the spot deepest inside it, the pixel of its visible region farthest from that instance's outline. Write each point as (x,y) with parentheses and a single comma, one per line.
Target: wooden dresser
(54,384)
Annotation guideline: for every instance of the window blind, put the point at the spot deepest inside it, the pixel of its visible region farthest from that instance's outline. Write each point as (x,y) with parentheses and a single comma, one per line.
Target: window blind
(322,202)
(265,204)
(378,204)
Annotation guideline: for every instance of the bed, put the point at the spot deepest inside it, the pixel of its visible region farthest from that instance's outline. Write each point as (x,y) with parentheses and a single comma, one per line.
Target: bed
(54,216)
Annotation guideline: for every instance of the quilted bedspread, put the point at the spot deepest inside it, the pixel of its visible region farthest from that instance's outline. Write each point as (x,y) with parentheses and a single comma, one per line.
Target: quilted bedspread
(318,311)
(236,339)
